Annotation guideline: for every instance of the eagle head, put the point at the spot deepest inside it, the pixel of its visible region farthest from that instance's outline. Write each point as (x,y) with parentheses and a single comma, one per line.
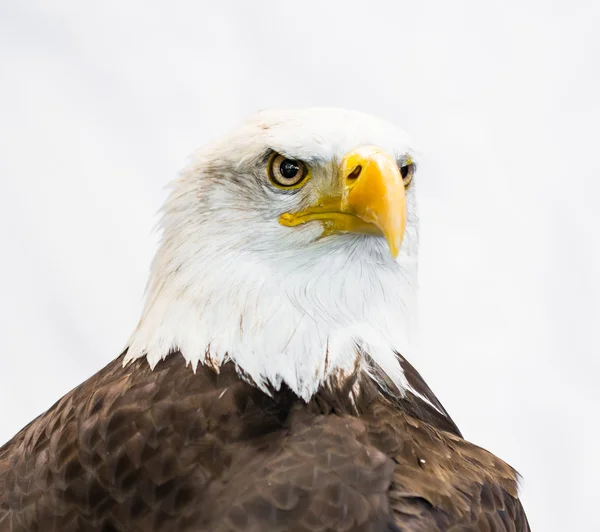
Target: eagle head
(289,247)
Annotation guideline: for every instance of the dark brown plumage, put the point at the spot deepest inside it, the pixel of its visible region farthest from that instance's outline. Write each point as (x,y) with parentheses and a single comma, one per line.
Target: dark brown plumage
(133,449)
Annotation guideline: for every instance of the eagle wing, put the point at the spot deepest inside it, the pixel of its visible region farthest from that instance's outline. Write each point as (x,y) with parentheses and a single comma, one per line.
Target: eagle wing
(133,449)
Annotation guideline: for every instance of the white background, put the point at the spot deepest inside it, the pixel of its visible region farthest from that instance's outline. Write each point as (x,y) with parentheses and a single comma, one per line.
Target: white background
(101,102)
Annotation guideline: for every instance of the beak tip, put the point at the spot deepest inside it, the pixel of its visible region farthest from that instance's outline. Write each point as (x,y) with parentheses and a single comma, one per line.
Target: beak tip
(394,249)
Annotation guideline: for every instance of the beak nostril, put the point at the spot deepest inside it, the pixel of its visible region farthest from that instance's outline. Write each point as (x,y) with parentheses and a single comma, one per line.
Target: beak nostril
(355,173)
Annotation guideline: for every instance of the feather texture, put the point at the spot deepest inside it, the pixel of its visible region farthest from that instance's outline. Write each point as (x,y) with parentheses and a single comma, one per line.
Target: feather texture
(135,449)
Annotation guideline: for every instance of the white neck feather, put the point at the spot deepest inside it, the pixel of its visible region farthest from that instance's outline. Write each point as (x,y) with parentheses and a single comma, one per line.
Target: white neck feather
(297,323)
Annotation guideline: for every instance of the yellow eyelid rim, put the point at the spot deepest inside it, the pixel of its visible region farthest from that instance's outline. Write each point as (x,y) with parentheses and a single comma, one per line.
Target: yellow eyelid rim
(299,184)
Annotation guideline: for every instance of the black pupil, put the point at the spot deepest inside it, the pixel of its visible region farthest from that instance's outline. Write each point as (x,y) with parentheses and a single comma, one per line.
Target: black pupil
(289,169)
(404,171)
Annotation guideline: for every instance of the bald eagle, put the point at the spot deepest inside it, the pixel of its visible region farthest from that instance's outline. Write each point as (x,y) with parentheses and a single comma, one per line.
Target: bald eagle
(266,387)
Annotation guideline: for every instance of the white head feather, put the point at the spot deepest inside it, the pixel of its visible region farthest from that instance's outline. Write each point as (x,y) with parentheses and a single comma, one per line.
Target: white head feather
(229,282)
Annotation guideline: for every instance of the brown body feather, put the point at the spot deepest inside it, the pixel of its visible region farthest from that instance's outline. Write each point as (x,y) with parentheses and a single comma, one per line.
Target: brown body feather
(134,449)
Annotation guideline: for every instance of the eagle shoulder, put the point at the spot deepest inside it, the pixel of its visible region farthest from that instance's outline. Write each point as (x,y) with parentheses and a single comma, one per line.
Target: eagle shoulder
(135,449)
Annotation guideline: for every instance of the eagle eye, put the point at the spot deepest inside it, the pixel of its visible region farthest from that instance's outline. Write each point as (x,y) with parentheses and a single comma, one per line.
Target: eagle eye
(407,171)
(286,173)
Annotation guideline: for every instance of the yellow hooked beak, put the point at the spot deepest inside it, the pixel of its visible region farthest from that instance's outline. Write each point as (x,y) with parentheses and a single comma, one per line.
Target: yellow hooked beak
(372,199)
